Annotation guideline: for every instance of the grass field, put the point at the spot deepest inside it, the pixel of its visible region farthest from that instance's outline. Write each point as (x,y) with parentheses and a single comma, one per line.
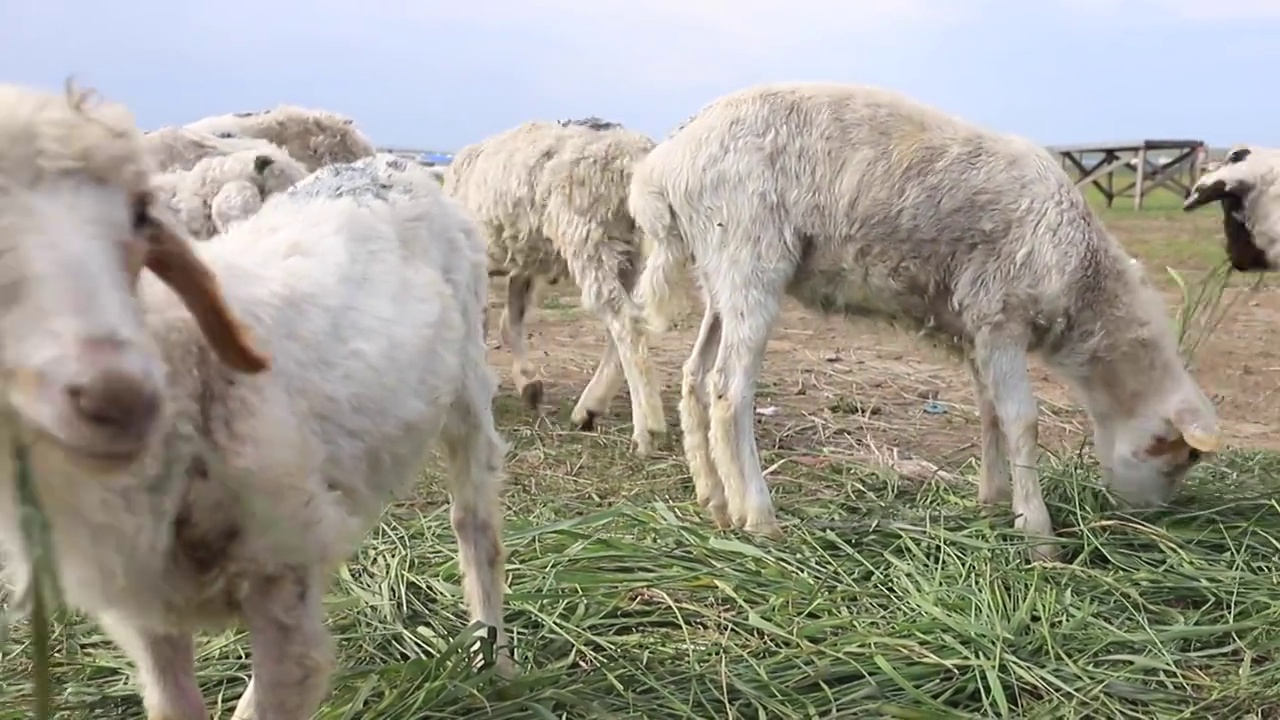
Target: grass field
(888,597)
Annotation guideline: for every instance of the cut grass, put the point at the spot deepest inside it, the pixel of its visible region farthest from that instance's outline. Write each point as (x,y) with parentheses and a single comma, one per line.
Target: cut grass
(885,599)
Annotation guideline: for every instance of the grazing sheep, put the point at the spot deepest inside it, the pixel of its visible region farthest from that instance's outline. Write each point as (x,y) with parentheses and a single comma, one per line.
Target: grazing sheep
(552,198)
(858,201)
(178,148)
(193,194)
(1247,185)
(315,137)
(212,496)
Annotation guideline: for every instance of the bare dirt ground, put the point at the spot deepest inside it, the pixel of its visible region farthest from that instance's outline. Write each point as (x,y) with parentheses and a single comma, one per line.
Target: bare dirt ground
(889,396)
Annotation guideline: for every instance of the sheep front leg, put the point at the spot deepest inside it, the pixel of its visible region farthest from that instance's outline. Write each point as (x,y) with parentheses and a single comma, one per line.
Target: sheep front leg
(629,339)
(473,453)
(695,420)
(292,651)
(1002,367)
(514,315)
(166,670)
(993,477)
(605,383)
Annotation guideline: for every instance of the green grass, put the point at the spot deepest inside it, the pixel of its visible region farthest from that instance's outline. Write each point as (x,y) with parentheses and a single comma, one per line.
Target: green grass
(885,599)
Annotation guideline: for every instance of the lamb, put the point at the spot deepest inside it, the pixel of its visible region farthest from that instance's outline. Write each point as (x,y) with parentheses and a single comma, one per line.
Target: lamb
(553,200)
(859,201)
(315,137)
(185,493)
(236,201)
(1247,185)
(179,148)
(211,194)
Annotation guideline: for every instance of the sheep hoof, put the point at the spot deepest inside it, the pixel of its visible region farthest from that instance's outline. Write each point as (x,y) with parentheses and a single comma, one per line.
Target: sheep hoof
(531,394)
(588,421)
(1045,552)
(765,528)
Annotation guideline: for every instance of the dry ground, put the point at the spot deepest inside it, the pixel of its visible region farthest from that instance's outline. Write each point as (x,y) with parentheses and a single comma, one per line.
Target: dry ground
(878,393)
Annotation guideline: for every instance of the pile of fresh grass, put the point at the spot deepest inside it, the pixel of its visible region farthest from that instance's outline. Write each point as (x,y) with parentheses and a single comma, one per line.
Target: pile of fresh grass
(885,599)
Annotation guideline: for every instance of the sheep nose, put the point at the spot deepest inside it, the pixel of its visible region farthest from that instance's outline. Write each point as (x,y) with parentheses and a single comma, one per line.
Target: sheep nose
(117,402)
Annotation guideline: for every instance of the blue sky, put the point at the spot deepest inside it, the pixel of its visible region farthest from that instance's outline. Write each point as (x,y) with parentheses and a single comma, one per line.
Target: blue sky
(438,75)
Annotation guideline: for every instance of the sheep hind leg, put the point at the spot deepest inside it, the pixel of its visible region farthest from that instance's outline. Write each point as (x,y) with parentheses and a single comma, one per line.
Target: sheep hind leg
(747,315)
(1002,365)
(292,651)
(166,670)
(514,317)
(994,480)
(695,423)
(474,455)
(604,385)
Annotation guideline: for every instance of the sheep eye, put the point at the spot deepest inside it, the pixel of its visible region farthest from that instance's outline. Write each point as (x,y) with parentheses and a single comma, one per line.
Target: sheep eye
(141,212)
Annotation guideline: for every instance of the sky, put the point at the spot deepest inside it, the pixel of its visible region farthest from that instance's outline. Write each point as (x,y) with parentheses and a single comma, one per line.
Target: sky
(437,75)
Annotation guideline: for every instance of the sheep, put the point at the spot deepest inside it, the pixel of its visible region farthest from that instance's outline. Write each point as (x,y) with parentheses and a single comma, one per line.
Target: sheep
(193,194)
(315,137)
(1247,185)
(179,148)
(235,201)
(182,495)
(858,201)
(552,198)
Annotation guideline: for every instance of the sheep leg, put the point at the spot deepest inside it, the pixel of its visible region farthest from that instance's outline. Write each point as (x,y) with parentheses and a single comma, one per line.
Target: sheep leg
(646,406)
(746,317)
(605,383)
(993,477)
(514,316)
(292,651)
(166,670)
(1002,366)
(695,422)
(474,455)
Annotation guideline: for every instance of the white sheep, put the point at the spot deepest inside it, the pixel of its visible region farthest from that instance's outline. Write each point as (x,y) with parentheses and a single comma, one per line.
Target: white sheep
(315,137)
(206,497)
(180,148)
(552,198)
(235,201)
(859,201)
(1247,185)
(193,194)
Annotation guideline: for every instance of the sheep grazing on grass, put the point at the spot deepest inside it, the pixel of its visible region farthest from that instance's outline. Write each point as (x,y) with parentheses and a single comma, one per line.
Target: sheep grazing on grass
(214,193)
(212,495)
(553,200)
(1247,185)
(178,148)
(315,137)
(858,201)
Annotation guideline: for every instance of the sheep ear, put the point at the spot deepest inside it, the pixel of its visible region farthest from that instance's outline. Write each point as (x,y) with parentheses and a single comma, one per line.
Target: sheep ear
(1199,428)
(261,163)
(171,258)
(1237,155)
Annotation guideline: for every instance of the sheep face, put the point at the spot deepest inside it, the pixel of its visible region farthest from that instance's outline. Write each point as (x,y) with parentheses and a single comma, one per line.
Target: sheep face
(1247,185)
(81,372)
(237,200)
(1145,457)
